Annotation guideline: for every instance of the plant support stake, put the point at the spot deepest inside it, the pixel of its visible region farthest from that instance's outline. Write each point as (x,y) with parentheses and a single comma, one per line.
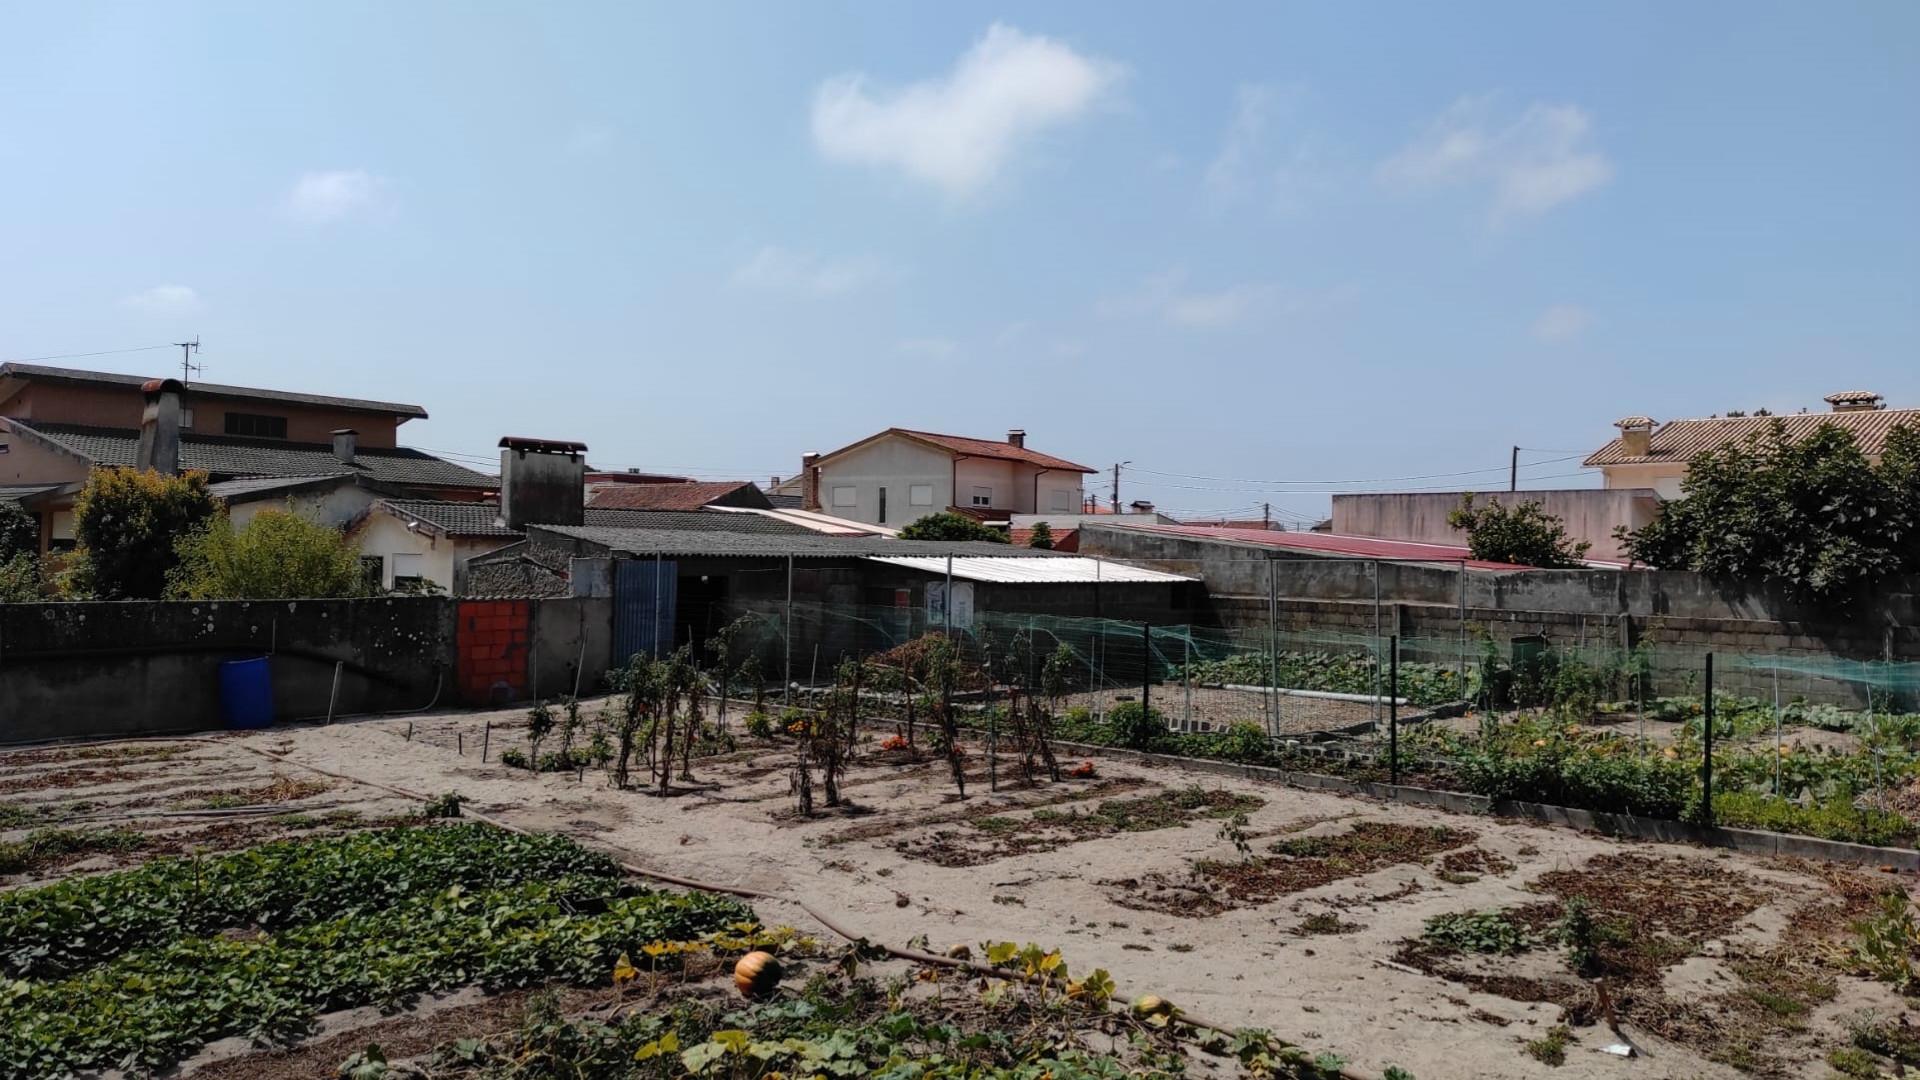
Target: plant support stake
(1706,756)
(1393,710)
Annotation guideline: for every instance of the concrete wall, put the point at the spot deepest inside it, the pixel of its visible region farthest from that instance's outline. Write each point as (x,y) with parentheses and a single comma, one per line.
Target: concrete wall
(1662,477)
(130,667)
(1590,514)
(895,464)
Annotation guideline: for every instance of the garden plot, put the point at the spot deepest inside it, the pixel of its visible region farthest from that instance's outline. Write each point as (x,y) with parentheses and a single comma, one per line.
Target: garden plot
(1213,708)
(1314,948)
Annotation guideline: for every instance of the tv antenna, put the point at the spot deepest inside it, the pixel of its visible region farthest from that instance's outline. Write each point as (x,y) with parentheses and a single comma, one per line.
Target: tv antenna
(187,367)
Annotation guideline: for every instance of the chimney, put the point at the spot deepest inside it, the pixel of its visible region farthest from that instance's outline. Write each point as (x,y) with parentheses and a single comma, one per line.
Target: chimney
(345,442)
(1017,437)
(1856,401)
(810,480)
(160,427)
(542,482)
(1636,434)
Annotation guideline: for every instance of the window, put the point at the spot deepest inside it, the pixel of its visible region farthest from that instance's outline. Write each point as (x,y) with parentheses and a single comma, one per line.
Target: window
(256,425)
(843,495)
(983,496)
(186,419)
(920,495)
(373,569)
(883,506)
(408,570)
(1062,500)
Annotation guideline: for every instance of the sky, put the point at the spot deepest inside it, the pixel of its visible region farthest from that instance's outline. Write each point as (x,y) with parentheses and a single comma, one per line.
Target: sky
(1260,252)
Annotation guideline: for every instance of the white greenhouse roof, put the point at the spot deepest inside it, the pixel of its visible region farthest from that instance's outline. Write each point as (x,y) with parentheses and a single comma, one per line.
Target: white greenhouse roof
(1015,569)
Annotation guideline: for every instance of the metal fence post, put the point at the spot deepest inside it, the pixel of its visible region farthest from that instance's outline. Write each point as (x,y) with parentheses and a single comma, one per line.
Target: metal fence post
(1376,649)
(1393,710)
(1706,757)
(786,635)
(1272,701)
(1186,679)
(1146,671)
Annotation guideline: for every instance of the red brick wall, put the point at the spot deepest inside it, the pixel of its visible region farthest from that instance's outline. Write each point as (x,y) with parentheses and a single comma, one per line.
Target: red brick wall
(493,637)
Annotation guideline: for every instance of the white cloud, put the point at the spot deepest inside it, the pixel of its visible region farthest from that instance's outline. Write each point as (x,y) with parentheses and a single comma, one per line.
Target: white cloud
(957,131)
(1258,161)
(1169,297)
(1534,162)
(780,270)
(330,196)
(1562,322)
(164,300)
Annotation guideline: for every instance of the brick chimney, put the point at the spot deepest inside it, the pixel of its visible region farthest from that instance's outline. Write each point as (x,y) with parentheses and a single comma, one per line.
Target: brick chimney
(1636,434)
(542,482)
(159,427)
(346,443)
(1017,437)
(810,480)
(1856,401)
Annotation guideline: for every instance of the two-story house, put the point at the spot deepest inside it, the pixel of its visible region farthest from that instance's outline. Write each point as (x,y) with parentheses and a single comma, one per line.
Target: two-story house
(325,456)
(898,475)
(1649,454)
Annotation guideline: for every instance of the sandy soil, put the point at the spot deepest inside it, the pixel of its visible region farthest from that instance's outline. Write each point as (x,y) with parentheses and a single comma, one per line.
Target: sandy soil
(1322,961)
(1215,709)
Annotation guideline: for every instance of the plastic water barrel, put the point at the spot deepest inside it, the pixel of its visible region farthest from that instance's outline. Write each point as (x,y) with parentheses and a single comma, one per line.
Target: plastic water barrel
(246,693)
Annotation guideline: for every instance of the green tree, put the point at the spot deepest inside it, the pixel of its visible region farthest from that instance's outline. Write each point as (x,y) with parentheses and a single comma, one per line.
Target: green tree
(1523,534)
(1042,536)
(1815,516)
(948,525)
(276,556)
(127,525)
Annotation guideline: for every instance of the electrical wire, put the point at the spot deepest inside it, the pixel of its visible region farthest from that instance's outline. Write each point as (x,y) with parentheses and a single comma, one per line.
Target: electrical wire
(83,355)
(1372,480)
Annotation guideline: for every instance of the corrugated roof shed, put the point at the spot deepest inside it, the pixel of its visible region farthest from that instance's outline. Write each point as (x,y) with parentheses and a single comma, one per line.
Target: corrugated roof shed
(804,545)
(690,496)
(1682,440)
(1014,570)
(482,519)
(227,457)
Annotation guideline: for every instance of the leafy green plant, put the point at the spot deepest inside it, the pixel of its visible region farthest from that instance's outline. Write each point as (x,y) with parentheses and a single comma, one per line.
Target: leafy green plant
(127,524)
(759,724)
(1234,829)
(275,556)
(1551,1048)
(1887,942)
(1477,932)
(1834,819)
(443,806)
(947,525)
(1137,727)
(1523,534)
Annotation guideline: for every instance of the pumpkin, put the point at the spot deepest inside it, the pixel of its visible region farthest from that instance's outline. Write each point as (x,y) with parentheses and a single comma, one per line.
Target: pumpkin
(1152,1005)
(757,974)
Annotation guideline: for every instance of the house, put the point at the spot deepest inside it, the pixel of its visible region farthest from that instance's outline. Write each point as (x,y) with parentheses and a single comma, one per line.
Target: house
(1650,454)
(57,424)
(897,476)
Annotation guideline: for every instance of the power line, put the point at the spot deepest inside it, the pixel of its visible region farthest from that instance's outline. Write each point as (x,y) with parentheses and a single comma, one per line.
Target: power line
(83,355)
(1372,480)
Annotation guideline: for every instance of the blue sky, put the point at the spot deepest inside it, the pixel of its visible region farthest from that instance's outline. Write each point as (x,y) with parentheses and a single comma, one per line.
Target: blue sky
(1311,246)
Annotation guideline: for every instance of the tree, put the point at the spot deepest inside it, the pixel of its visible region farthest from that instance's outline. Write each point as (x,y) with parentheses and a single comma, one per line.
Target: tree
(128,525)
(1815,516)
(948,525)
(1524,534)
(276,556)
(19,532)
(1041,537)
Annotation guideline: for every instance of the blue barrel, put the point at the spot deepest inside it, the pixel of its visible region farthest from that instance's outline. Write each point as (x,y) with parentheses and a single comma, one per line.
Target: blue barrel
(246,693)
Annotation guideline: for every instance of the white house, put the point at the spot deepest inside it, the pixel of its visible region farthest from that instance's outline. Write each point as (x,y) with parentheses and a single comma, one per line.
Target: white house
(897,476)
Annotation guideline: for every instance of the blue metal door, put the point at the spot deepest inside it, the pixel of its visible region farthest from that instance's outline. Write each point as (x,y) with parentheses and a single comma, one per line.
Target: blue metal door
(644,608)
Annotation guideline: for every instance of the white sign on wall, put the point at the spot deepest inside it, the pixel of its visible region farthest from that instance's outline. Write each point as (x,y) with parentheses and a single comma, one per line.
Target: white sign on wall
(962,605)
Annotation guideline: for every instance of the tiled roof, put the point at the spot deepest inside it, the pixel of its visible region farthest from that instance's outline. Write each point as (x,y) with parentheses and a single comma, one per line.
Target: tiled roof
(679,496)
(252,393)
(482,519)
(970,447)
(231,458)
(16,492)
(1682,440)
(241,490)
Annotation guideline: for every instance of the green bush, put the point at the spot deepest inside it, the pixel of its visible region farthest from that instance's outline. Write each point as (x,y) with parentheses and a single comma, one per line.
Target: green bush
(1835,819)
(128,524)
(1605,774)
(1477,931)
(1137,727)
(275,556)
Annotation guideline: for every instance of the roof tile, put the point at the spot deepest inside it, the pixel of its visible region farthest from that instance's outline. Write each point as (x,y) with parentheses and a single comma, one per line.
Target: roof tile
(1683,440)
(231,458)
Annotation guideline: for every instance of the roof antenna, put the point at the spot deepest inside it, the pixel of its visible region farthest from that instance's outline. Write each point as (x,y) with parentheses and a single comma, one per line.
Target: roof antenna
(187,366)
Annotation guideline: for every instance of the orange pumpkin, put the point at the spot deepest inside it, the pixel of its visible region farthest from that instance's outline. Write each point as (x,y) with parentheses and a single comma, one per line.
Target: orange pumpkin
(757,974)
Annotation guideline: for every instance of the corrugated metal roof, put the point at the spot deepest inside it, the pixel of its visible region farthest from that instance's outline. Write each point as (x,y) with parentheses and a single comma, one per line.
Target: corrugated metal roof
(482,519)
(1683,440)
(1362,547)
(689,543)
(813,521)
(1015,570)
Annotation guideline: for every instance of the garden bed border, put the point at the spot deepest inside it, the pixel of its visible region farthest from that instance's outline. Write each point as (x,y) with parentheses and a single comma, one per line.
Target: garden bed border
(1752,841)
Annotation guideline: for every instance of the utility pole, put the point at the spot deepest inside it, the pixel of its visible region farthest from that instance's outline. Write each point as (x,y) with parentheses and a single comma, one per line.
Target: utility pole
(1513,471)
(187,366)
(1116,487)
(1266,516)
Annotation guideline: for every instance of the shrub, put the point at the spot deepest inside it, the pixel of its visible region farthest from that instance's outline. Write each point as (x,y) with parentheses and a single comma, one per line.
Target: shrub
(948,525)
(275,556)
(759,724)
(1523,534)
(1245,742)
(1477,931)
(128,524)
(1137,727)
(1886,942)
(514,758)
